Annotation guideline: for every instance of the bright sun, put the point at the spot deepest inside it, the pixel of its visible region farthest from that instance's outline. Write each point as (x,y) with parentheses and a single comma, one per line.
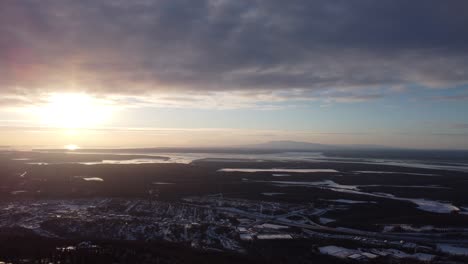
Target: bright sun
(71,147)
(73,111)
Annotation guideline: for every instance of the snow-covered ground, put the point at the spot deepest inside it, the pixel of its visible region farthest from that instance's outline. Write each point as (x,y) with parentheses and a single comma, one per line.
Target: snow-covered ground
(274,236)
(324,183)
(396,172)
(18,192)
(280,175)
(272,193)
(93,179)
(324,220)
(422,204)
(341,252)
(129,161)
(277,170)
(452,249)
(350,201)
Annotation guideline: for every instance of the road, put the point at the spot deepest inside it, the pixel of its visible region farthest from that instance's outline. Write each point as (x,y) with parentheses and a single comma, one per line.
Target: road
(426,238)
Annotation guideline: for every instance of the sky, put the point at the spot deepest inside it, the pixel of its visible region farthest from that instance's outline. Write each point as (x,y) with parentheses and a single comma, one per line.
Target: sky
(159,73)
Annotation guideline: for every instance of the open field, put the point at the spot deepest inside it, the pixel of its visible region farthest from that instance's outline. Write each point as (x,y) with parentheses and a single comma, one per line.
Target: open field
(239,204)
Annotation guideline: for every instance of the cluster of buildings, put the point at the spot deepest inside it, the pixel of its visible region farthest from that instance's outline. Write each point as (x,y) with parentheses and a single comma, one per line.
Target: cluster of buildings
(201,225)
(373,253)
(207,222)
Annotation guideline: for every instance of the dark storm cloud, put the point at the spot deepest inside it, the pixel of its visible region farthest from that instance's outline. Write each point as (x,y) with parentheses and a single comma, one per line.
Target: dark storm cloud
(218,45)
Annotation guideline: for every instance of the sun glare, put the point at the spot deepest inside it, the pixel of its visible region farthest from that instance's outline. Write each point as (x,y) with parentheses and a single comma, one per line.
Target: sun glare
(71,147)
(73,111)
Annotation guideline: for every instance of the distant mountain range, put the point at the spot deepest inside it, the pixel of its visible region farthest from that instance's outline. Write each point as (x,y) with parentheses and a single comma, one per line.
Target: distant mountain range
(267,147)
(297,145)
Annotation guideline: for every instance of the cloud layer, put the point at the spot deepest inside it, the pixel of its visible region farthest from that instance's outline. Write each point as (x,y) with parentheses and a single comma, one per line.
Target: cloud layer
(268,50)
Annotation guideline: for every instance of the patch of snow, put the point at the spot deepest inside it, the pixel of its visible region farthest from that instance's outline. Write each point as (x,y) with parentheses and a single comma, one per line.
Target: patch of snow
(246,237)
(277,170)
(400,254)
(422,204)
(274,236)
(18,192)
(272,193)
(406,186)
(93,179)
(396,172)
(423,257)
(350,201)
(324,220)
(130,161)
(369,255)
(433,206)
(336,251)
(271,226)
(388,228)
(324,183)
(453,250)
(242,229)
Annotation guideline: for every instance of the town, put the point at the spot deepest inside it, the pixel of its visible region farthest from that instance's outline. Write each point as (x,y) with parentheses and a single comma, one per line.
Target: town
(217,223)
